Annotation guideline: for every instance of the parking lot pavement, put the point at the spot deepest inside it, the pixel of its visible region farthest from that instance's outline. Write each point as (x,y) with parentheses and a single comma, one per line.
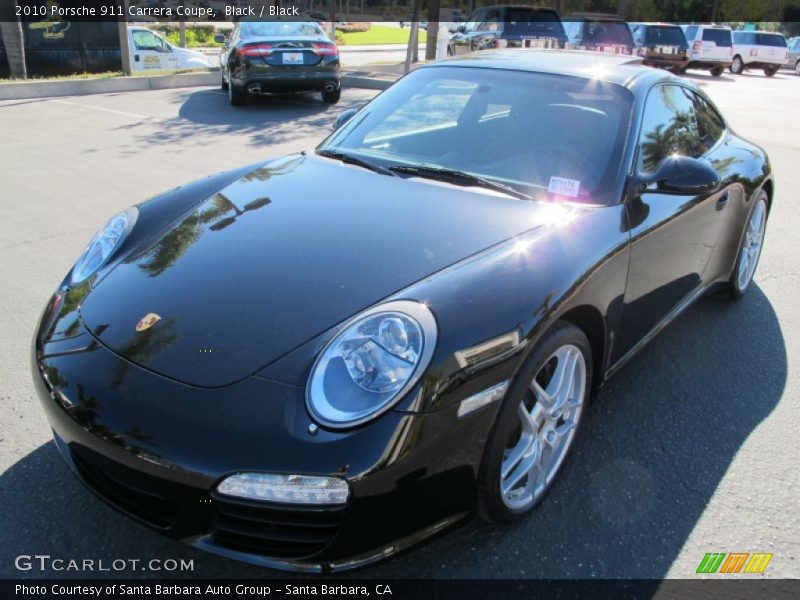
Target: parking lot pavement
(692,448)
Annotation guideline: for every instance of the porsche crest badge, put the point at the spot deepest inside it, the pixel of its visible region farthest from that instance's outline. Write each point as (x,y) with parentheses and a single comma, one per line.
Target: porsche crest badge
(147,322)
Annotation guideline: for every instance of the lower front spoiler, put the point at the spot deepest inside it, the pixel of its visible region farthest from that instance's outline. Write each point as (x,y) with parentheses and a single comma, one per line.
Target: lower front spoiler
(206,543)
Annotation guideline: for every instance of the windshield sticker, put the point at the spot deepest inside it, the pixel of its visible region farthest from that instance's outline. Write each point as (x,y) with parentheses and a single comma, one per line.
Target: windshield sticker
(564,187)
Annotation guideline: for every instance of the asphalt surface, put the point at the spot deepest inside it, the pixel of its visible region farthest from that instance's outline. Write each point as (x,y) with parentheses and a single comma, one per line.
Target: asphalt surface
(691,448)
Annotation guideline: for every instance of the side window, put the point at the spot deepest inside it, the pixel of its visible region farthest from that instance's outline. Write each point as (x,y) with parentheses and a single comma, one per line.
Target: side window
(491,22)
(669,126)
(475,21)
(710,125)
(147,40)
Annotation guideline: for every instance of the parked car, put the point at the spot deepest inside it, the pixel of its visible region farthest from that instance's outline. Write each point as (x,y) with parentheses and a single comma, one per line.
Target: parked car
(710,48)
(278,57)
(151,52)
(758,50)
(508,26)
(317,360)
(793,62)
(599,32)
(661,45)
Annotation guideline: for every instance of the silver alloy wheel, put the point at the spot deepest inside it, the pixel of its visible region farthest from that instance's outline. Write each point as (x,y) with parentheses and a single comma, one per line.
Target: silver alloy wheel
(797,68)
(751,248)
(548,418)
(737,66)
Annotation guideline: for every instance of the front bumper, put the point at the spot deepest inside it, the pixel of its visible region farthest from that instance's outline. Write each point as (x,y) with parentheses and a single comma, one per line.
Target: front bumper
(156,449)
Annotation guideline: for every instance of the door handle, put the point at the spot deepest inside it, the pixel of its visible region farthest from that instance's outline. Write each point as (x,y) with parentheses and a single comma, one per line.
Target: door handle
(722,201)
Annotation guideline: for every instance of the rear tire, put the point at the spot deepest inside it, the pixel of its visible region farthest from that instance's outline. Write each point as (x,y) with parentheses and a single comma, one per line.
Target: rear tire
(224,83)
(532,437)
(332,97)
(717,71)
(737,66)
(236,95)
(770,71)
(797,68)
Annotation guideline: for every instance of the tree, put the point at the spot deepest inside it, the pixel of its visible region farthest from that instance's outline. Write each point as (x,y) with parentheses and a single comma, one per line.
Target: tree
(13,39)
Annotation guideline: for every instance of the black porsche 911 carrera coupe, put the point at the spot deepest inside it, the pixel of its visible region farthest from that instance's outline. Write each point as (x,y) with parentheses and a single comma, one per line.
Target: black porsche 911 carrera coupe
(314,362)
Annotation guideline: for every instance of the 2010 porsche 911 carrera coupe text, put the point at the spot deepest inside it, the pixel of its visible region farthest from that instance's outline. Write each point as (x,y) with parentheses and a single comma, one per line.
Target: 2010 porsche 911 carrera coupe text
(316,361)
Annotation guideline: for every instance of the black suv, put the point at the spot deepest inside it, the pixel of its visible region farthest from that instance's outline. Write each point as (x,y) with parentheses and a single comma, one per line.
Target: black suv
(508,26)
(661,45)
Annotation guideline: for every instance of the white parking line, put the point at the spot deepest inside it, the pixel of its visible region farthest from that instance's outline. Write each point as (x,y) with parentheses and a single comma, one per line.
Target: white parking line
(110,110)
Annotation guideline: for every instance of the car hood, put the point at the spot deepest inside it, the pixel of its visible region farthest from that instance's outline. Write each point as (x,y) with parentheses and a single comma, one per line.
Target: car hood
(281,255)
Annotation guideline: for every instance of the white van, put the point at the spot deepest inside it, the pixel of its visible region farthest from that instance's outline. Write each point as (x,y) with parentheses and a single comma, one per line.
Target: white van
(758,50)
(151,52)
(710,47)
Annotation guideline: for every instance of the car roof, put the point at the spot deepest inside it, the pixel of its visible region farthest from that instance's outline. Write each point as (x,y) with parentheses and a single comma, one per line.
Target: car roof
(530,8)
(618,69)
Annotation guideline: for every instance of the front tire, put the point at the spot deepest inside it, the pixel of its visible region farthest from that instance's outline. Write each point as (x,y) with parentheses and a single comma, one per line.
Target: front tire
(536,426)
(797,68)
(770,71)
(749,249)
(717,71)
(737,66)
(224,85)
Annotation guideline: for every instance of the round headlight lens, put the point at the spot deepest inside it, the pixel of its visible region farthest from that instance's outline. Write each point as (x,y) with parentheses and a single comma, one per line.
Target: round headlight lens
(103,245)
(372,362)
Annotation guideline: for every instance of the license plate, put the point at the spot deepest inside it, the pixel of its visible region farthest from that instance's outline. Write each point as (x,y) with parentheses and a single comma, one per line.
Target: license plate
(293,58)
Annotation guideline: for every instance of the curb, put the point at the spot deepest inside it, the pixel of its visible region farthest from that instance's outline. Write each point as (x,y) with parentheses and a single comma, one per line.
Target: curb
(367,83)
(81,87)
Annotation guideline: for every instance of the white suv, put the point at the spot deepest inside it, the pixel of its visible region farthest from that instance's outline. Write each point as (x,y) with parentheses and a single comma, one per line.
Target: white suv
(758,50)
(710,47)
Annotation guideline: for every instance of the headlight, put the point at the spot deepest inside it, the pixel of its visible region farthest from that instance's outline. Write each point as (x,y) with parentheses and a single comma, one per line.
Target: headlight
(103,245)
(371,363)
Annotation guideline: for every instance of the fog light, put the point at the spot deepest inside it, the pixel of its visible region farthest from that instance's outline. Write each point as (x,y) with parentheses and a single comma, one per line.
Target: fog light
(286,489)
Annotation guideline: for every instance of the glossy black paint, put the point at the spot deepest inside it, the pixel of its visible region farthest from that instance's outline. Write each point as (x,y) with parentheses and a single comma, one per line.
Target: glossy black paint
(262,264)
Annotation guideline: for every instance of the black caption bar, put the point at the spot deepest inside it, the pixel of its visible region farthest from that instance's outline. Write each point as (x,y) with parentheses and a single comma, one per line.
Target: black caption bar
(383,10)
(401,589)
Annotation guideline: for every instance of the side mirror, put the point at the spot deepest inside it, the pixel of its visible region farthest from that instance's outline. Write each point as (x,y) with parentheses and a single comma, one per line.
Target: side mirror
(681,175)
(220,39)
(344,118)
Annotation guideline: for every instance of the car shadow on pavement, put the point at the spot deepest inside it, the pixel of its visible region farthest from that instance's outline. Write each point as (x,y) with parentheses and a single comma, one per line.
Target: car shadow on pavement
(654,447)
(205,116)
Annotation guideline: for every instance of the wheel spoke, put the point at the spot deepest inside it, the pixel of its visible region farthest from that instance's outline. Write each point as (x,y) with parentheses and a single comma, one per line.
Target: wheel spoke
(524,467)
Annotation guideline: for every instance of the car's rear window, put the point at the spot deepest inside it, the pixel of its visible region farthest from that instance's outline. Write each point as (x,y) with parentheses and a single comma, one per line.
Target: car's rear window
(275,29)
(521,21)
(770,39)
(666,35)
(721,37)
(607,32)
(540,133)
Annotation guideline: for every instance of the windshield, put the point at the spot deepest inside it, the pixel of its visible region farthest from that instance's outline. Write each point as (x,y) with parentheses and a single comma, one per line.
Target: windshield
(607,32)
(274,29)
(672,36)
(548,136)
(521,21)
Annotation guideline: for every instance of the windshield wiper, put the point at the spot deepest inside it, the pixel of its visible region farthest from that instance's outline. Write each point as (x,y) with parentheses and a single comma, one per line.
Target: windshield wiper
(349,159)
(458,178)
